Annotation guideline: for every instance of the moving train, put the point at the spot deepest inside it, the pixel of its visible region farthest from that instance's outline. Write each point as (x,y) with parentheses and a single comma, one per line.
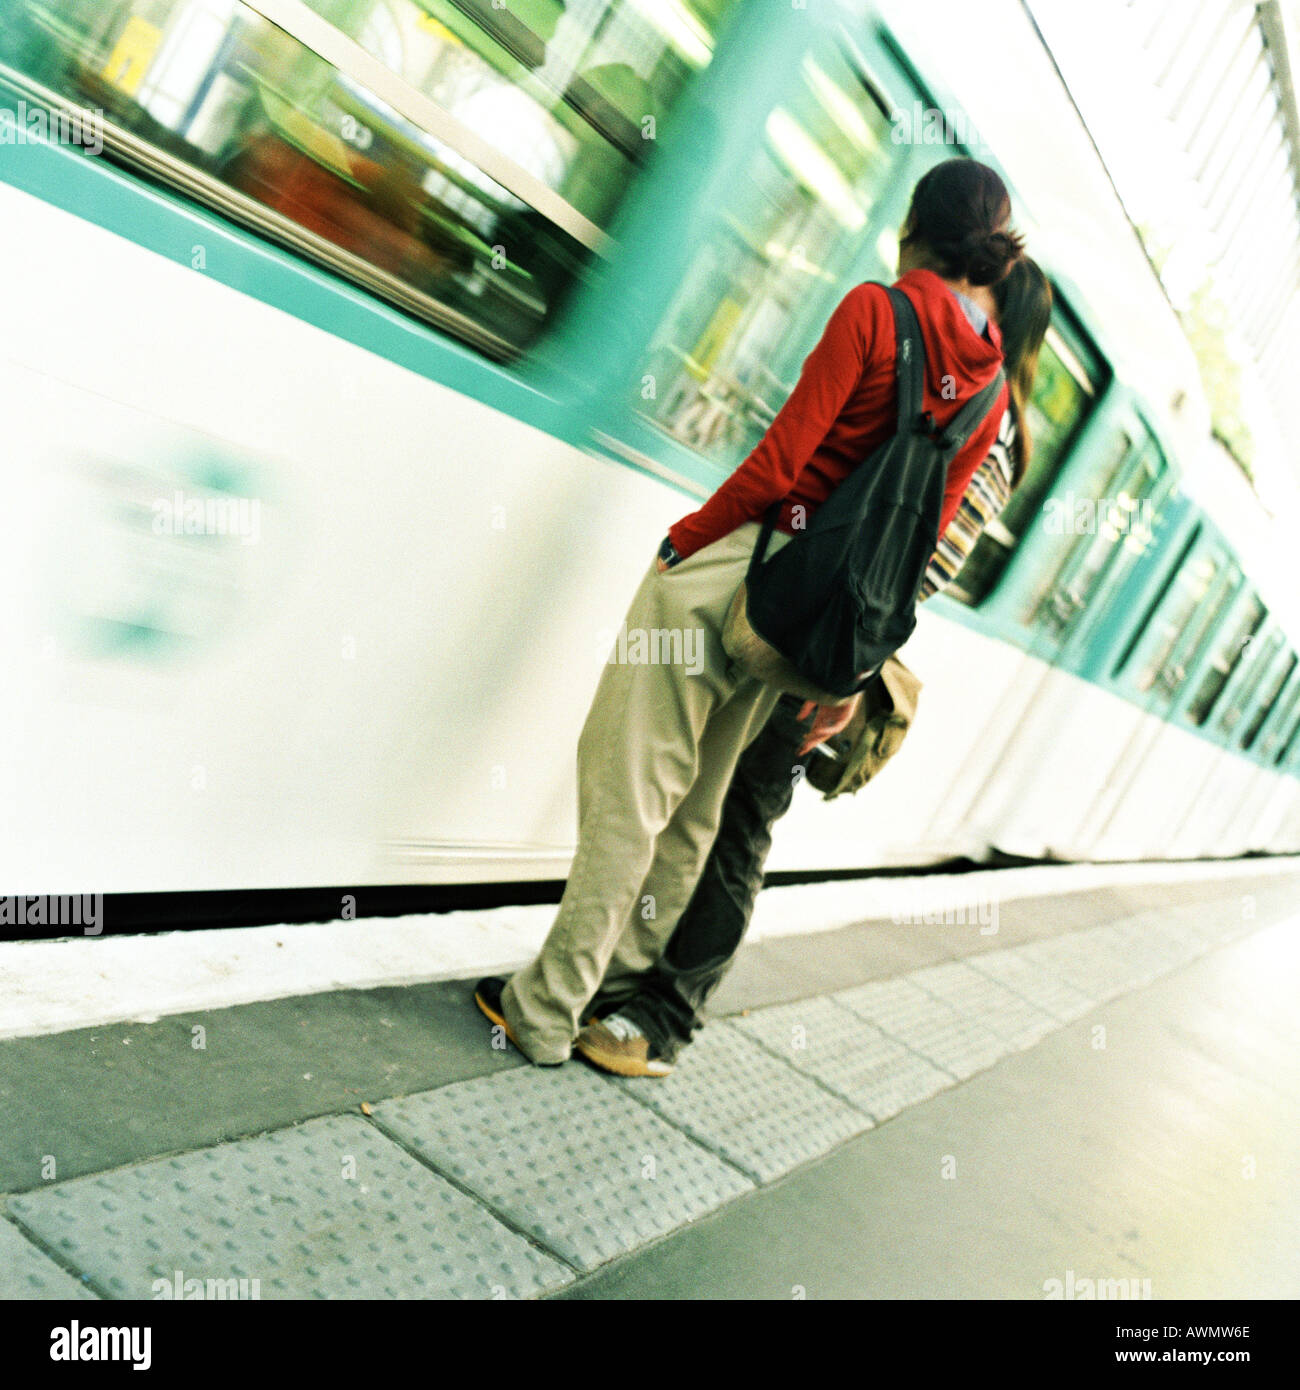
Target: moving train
(358,353)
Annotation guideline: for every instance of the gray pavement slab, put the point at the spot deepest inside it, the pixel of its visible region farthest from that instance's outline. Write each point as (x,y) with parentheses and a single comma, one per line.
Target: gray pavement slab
(98,1098)
(1166,1159)
(330,1209)
(846,1054)
(566,1156)
(28,1273)
(752,1109)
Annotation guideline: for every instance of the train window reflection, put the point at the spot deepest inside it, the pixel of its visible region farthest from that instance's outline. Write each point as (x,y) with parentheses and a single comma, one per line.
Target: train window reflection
(1257,657)
(1125,520)
(1274,743)
(1267,701)
(765,279)
(568,97)
(1194,582)
(1291,744)
(1062,592)
(574,93)
(1223,662)
(1062,390)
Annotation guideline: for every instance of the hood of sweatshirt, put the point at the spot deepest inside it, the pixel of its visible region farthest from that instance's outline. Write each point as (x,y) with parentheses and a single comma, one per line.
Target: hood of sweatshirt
(953,349)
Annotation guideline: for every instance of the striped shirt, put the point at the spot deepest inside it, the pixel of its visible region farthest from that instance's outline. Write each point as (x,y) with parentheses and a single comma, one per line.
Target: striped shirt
(988,493)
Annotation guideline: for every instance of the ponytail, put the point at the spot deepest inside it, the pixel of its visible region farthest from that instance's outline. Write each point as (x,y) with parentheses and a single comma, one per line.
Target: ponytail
(1024,300)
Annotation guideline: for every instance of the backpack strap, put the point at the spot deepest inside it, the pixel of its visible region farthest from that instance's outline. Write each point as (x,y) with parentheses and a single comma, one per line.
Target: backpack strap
(909,361)
(909,367)
(968,419)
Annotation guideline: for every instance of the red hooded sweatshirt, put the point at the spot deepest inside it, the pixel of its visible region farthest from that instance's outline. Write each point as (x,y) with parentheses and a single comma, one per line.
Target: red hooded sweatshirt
(844,406)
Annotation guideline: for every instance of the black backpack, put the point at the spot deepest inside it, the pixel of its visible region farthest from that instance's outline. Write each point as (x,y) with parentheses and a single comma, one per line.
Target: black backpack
(821,615)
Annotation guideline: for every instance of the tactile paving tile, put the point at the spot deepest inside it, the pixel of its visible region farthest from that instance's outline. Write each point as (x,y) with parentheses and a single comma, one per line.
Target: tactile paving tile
(875,1073)
(27,1273)
(744,1104)
(1090,961)
(567,1156)
(1187,933)
(1201,933)
(1154,946)
(330,1209)
(1033,981)
(1143,959)
(1232,924)
(977,996)
(935,1030)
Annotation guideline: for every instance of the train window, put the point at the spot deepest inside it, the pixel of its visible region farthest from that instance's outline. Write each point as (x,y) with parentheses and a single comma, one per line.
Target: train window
(1196,638)
(462,156)
(1176,617)
(1291,744)
(1268,699)
(1224,660)
(730,347)
(573,92)
(1257,658)
(1062,391)
(1075,520)
(1113,529)
(1147,632)
(1275,741)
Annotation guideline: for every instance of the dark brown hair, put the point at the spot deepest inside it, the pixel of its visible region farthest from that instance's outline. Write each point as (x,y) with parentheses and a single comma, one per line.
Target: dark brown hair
(1024,300)
(958,220)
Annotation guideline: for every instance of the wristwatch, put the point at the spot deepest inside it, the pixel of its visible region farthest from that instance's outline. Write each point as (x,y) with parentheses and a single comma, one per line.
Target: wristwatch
(668,553)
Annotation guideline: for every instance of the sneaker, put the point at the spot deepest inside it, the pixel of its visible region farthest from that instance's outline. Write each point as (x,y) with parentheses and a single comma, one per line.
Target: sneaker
(616,1044)
(487,995)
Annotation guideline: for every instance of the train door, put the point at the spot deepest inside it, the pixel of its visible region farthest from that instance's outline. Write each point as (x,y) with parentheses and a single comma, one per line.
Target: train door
(1241,817)
(1203,822)
(1069,410)
(1153,670)
(1182,767)
(1063,747)
(1112,532)
(1278,740)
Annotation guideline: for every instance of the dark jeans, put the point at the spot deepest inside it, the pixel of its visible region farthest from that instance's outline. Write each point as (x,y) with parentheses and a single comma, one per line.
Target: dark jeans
(667,1000)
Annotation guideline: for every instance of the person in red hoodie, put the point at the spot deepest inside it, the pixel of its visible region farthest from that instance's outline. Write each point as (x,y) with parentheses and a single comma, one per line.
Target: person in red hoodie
(649,1007)
(672,715)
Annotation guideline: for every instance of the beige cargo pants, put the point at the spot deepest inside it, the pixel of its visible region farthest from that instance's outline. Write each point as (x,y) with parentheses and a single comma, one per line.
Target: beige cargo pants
(669,721)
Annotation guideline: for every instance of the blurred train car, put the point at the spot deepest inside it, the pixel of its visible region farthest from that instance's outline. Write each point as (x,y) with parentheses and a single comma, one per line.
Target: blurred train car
(357,354)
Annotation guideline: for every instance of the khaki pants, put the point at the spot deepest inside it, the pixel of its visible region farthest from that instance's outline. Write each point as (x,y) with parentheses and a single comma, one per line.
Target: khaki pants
(655,759)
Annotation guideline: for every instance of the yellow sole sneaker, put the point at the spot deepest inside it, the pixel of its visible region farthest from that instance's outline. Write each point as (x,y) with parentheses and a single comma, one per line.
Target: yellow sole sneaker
(621,1056)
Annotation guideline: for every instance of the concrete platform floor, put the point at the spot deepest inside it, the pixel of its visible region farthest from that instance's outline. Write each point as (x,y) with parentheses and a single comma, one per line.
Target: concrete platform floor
(1164,1152)
(1151,1142)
